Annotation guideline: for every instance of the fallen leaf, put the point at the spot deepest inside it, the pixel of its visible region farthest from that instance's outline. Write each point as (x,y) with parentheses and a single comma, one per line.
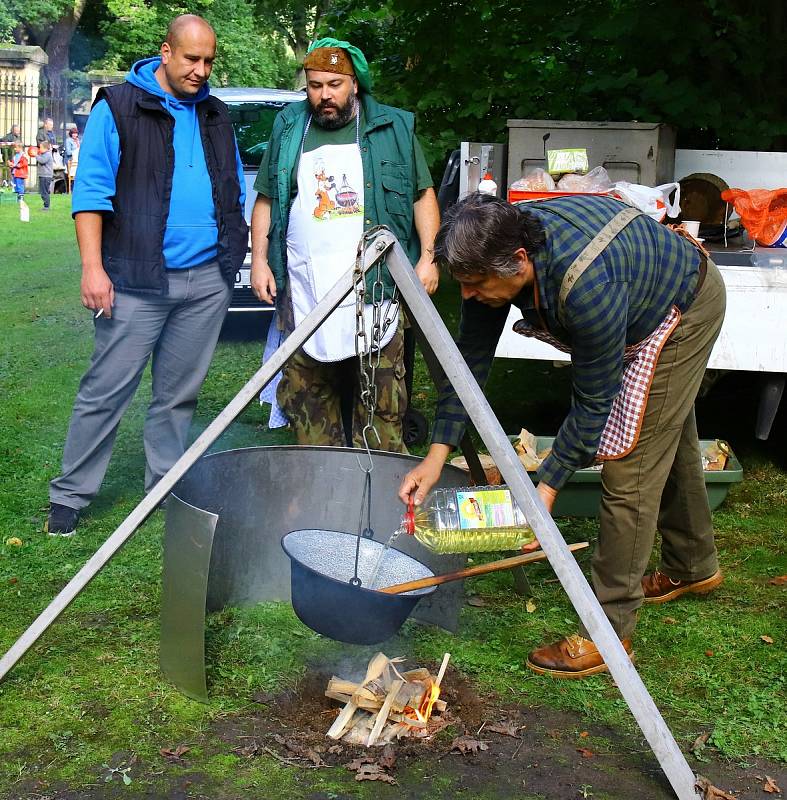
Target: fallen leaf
(769,785)
(699,742)
(14,541)
(711,792)
(388,758)
(767,639)
(780,581)
(669,620)
(465,744)
(530,606)
(374,772)
(174,753)
(585,753)
(335,749)
(506,728)
(248,750)
(12,581)
(554,733)
(584,735)
(357,763)
(476,601)
(709,653)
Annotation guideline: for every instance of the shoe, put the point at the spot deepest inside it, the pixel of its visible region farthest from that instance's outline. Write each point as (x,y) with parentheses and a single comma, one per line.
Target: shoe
(659,588)
(572,657)
(62,520)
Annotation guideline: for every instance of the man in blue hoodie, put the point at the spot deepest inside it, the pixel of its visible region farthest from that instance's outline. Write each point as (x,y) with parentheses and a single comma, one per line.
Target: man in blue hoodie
(158,208)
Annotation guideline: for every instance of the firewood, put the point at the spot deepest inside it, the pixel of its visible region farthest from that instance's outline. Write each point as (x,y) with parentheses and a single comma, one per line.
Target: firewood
(382,715)
(443,668)
(343,721)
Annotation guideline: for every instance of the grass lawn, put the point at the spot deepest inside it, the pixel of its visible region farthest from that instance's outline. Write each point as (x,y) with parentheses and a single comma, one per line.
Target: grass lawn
(87,703)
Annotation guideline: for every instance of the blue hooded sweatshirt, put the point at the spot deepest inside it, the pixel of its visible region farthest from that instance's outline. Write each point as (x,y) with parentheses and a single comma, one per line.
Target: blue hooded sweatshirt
(191,236)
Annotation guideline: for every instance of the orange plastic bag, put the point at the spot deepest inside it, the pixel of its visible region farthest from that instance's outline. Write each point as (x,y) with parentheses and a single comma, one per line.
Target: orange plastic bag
(763,213)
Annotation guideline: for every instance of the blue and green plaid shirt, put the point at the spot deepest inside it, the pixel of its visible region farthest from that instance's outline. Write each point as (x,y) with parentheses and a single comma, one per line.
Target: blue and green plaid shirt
(619,300)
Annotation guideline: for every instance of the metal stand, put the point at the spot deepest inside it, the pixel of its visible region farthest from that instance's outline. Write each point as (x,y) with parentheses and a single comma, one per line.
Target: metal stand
(435,337)
(770,397)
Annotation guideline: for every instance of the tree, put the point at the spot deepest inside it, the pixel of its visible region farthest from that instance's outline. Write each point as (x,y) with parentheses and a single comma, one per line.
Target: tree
(298,22)
(709,67)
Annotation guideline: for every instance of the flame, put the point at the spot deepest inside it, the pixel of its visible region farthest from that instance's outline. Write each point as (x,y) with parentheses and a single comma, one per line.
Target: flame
(424,711)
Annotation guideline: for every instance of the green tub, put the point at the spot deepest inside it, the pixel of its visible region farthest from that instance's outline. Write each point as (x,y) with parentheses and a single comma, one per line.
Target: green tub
(580,497)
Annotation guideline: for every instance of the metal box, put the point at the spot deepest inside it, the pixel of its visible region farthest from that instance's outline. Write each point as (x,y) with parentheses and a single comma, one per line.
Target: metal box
(638,152)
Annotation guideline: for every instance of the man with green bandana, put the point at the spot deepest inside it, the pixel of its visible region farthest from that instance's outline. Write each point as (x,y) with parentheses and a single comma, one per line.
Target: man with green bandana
(338,164)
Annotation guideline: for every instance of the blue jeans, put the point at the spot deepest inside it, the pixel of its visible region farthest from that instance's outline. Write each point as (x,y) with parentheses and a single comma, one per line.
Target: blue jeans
(19,187)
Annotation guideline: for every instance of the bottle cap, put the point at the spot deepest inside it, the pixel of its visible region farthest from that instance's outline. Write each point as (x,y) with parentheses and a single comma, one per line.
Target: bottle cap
(409,518)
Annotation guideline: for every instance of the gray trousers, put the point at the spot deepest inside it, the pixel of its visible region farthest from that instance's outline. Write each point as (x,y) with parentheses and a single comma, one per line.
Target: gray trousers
(660,485)
(179,331)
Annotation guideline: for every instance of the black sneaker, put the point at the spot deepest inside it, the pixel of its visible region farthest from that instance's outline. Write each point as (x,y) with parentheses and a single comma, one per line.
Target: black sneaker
(62,520)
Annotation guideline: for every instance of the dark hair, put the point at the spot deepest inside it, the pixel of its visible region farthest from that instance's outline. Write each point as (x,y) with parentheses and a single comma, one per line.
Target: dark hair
(480,234)
(73,131)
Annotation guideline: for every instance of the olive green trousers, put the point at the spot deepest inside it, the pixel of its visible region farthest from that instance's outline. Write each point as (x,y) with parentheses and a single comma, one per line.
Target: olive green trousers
(660,485)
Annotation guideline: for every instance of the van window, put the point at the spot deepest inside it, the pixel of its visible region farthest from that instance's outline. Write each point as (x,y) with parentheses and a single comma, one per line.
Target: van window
(253,123)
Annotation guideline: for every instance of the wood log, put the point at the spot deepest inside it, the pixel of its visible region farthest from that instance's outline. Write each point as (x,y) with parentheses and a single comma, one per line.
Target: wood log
(382,715)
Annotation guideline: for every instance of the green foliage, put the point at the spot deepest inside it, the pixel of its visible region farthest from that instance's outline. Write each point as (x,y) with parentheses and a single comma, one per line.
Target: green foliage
(248,54)
(718,81)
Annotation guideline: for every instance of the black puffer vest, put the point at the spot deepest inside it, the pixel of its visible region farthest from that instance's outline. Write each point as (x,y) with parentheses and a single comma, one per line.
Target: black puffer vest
(133,235)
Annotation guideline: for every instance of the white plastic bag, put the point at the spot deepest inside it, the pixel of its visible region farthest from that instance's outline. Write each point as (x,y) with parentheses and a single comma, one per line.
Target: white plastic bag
(653,200)
(24,211)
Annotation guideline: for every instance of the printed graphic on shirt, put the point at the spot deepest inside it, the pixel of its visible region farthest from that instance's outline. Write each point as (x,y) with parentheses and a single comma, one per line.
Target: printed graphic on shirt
(335,200)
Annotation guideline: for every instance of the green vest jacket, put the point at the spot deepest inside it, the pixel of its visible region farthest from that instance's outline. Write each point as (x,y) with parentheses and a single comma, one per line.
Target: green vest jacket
(386,141)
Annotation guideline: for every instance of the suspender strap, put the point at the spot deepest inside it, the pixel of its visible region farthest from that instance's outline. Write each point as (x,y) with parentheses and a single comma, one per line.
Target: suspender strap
(593,249)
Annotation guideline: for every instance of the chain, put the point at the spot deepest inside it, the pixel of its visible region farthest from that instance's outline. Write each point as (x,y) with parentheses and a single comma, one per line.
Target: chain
(368,349)
(368,342)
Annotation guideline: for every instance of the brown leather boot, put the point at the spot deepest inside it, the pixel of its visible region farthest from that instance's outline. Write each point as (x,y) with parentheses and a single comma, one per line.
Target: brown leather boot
(659,588)
(572,657)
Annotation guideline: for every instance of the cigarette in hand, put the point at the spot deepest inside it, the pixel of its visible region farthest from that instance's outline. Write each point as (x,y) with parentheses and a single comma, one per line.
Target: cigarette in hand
(98,313)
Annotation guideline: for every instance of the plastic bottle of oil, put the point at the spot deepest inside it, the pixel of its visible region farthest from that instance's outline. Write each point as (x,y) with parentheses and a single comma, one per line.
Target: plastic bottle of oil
(469,520)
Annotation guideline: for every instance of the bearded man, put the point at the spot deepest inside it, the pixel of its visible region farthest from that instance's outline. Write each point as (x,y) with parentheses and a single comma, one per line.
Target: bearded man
(337,165)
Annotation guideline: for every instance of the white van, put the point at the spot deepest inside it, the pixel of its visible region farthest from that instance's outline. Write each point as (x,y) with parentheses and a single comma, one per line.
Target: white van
(252,112)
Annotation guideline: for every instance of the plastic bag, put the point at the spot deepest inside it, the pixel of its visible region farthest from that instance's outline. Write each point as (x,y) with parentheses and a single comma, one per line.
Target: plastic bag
(596,181)
(24,211)
(653,200)
(763,213)
(534,180)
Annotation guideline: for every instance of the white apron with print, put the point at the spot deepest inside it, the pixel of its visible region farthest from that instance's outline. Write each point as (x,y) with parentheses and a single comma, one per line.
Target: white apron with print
(326,223)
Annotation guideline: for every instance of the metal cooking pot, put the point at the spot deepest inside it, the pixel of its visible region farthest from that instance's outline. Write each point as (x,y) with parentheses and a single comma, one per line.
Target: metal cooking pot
(322,565)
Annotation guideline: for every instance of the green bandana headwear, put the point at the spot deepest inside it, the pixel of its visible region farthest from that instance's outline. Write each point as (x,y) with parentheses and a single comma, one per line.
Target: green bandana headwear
(360,64)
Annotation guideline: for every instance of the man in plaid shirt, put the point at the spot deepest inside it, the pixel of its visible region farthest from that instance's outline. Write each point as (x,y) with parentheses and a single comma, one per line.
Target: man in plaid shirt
(503,255)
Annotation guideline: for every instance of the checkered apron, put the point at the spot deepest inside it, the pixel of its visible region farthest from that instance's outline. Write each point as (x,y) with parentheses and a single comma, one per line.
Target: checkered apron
(624,422)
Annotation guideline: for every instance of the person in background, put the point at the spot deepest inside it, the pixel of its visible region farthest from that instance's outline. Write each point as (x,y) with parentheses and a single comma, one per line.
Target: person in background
(14,135)
(19,170)
(47,132)
(338,164)
(45,172)
(639,307)
(158,207)
(71,155)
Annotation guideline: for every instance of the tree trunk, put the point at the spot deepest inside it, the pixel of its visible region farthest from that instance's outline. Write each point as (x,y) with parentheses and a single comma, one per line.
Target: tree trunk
(57,48)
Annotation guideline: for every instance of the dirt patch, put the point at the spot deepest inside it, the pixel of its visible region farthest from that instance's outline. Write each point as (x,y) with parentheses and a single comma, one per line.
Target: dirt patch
(507,752)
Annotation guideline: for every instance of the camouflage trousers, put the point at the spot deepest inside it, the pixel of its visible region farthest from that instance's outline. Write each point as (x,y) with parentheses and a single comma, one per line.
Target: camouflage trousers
(310,394)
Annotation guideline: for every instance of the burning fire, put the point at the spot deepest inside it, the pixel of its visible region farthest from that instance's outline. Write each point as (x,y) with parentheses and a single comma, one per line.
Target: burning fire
(424,710)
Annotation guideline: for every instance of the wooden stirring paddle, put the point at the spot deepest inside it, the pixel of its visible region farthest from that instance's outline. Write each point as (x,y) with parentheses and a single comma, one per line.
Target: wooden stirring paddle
(482,569)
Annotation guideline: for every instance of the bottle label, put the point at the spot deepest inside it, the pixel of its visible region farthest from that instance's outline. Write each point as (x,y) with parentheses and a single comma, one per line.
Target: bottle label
(485,509)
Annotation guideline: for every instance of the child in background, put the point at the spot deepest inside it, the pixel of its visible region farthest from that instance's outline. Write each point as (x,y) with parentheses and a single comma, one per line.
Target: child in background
(19,170)
(45,172)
